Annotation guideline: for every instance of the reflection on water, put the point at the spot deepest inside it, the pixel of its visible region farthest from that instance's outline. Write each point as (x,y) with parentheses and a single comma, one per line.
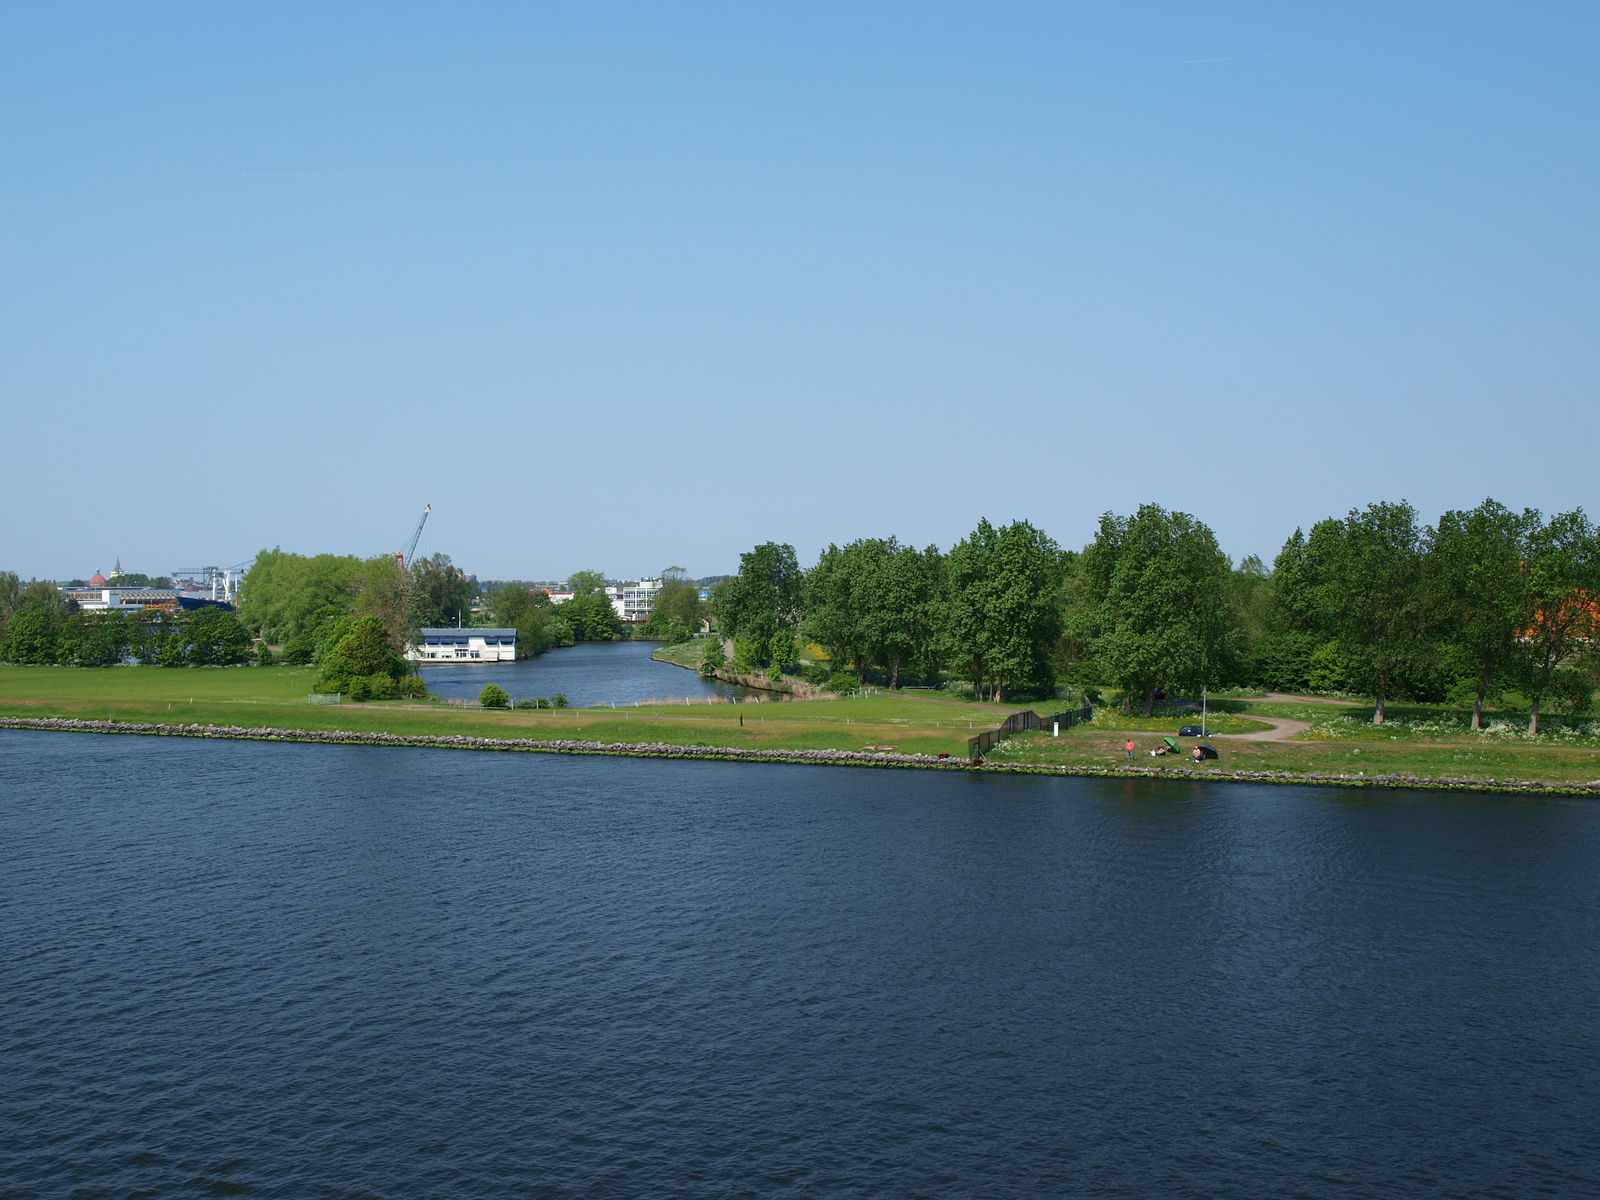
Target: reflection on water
(588,673)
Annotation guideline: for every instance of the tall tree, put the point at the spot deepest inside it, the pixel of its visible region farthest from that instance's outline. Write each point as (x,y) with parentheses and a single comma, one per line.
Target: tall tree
(899,586)
(1161,612)
(1376,600)
(1564,580)
(515,607)
(677,610)
(762,602)
(1001,614)
(440,594)
(1478,561)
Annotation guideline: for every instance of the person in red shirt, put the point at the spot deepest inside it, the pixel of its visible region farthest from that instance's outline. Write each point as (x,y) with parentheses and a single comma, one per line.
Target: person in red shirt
(1130,749)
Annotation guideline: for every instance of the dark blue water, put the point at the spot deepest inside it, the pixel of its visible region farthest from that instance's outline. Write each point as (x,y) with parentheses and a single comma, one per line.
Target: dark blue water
(588,673)
(231,968)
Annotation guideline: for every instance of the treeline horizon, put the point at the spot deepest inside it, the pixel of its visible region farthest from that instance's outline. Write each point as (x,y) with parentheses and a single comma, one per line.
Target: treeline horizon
(1485,602)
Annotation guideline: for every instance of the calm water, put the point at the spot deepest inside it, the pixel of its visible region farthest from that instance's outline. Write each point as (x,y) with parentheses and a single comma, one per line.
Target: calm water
(348,972)
(588,673)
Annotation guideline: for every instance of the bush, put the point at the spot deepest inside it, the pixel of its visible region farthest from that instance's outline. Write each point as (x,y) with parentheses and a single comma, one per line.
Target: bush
(842,681)
(300,650)
(264,655)
(816,673)
(361,653)
(410,687)
(713,660)
(745,659)
(493,696)
(1571,692)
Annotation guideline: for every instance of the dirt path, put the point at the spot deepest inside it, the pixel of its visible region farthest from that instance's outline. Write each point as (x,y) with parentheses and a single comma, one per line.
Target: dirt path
(1282,727)
(1285,698)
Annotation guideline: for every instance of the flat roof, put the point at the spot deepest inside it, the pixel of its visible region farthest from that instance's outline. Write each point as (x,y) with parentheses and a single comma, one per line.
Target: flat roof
(504,633)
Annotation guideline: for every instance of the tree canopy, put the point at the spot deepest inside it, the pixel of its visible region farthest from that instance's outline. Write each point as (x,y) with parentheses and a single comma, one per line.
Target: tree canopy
(1159,612)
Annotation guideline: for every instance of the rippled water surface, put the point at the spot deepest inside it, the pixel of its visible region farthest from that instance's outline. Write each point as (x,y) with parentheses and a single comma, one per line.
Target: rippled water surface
(232,968)
(588,673)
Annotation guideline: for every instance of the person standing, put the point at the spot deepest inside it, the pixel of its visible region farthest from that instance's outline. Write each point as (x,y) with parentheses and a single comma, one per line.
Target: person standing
(1129,749)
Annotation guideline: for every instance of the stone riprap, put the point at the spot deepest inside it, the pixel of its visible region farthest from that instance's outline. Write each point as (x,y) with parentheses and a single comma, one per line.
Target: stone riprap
(855,758)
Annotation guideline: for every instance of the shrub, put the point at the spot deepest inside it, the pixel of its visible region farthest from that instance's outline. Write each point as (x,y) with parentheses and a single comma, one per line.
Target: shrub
(842,681)
(410,687)
(264,655)
(713,660)
(493,696)
(361,653)
(816,673)
(300,649)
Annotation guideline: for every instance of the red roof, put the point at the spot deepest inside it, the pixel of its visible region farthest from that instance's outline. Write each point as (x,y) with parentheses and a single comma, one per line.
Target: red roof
(97,580)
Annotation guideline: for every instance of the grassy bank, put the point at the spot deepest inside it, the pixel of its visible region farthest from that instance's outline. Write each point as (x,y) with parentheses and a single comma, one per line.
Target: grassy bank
(276,696)
(684,654)
(1341,741)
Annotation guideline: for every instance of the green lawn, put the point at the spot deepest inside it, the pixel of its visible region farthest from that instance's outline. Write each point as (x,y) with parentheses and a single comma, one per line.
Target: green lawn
(276,696)
(1111,720)
(684,654)
(910,722)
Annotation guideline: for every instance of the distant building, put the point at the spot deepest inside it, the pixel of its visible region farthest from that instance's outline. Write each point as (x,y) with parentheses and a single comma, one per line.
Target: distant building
(464,646)
(98,598)
(635,599)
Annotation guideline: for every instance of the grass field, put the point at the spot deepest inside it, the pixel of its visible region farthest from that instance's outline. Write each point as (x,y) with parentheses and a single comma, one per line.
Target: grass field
(276,696)
(1417,741)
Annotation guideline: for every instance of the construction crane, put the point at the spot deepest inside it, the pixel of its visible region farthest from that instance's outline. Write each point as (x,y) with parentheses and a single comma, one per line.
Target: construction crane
(403,558)
(223,581)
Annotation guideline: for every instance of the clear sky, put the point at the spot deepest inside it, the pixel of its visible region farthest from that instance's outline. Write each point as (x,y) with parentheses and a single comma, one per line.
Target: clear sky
(623,286)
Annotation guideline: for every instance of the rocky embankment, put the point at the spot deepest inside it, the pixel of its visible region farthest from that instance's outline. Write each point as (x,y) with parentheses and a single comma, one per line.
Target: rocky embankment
(860,758)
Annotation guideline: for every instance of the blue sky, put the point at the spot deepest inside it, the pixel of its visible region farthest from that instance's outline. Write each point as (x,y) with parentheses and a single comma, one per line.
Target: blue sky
(620,286)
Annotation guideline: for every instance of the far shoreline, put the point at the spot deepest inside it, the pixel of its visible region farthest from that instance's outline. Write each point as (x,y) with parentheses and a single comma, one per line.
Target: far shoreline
(853,758)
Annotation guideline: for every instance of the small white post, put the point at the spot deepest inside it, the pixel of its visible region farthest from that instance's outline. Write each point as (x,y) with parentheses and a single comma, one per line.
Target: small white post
(1055,729)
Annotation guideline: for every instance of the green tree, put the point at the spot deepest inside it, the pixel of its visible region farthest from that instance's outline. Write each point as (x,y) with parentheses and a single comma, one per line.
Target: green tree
(832,606)
(1376,599)
(1563,579)
(591,617)
(874,603)
(1477,560)
(32,636)
(264,655)
(93,639)
(763,601)
(677,610)
(1296,623)
(493,696)
(361,654)
(515,607)
(587,583)
(1161,612)
(1002,614)
(208,637)
(714,658)
(439,592)
(285,594)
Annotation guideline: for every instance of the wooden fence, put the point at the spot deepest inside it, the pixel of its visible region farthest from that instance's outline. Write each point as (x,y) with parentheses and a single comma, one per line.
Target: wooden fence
(977,747)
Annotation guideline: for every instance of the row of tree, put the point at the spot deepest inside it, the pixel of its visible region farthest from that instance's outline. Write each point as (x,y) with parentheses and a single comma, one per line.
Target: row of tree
(39,627)
(1486,602)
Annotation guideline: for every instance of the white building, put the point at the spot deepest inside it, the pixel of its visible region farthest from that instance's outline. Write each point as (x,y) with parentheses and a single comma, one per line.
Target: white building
(464,646)
(633,601)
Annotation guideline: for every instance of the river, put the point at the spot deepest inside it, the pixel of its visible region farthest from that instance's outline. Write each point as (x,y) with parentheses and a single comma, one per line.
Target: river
(279,970)
(588,673)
